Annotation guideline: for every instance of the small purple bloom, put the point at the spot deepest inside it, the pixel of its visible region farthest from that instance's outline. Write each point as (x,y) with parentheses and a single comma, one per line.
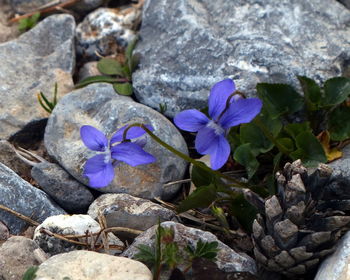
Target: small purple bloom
(100,168)
(211,136)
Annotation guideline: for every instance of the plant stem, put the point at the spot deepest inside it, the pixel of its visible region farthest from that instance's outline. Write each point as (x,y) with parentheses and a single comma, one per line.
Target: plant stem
(186,157)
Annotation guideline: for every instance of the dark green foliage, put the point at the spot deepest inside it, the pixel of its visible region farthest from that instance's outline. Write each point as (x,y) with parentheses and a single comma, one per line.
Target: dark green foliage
(204,250)
(28,23)
(115,72)
(30,273)
(47,105)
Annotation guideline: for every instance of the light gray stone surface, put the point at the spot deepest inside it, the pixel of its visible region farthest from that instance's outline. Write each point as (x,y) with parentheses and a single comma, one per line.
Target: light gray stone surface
(34,62)
(71,195)
(87,265)
(107,31)
(188,45)
(17,254)
(337,266)
(70,225)
(341,166)
(227,259)
(98,105)
(124,210)
(23,198)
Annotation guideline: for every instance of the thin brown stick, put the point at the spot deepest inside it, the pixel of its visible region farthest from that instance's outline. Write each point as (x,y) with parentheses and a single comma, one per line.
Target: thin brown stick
(45,10)
(19,215)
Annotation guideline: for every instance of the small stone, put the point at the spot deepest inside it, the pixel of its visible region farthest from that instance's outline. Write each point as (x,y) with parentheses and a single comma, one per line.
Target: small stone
(4,231)
(341,166)
(124,210)
(273,209)
(227,259)
(70,225)
(286,234)
(89,265)
(284,259)
(71,195)
(269,246)
(16,256)
(300,253)
(98,105)
(106,31)
(22,197)
(314,240)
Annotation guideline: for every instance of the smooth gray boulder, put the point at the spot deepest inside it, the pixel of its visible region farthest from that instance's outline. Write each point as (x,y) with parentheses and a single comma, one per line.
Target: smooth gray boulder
(98,105)
(187,46)
(341,166)
(32,63)
(22,197)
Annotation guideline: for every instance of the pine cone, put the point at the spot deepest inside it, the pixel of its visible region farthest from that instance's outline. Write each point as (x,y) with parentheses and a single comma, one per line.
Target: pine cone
(301,224)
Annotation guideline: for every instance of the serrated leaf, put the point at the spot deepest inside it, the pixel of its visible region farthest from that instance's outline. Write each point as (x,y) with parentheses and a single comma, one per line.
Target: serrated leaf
(96,79)
(244,156)
(30,274)
(171,255)
(123,89)
(279,99)
(207,250)
(244,212)
(146,254)
(331,153)
(336,91)
(309,149)
(339,124)
(294,129)
(201,197)
(109,66)
(251,134)
(312,92)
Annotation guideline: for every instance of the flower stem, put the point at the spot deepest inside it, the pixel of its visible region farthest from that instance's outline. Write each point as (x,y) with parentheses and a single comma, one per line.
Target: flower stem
(186,157)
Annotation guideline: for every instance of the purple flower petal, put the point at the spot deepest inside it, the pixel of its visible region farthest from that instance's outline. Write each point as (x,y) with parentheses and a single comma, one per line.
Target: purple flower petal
(132,133)
(216,145)
(218,97)
(241,111)
(99,172)
(93,138)
(190,120)
(131,154)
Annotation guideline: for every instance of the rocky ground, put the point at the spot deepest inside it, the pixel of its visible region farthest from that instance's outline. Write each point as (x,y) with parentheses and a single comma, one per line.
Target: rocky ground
(185,47)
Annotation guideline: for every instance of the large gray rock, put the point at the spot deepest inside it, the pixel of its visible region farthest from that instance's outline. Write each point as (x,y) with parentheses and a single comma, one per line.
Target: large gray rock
(341,166)
(32,63)
(98,105)
(71,195)
(188,45)
(346,3)
(227,259)
(87,265)
(336,266)
(23,198)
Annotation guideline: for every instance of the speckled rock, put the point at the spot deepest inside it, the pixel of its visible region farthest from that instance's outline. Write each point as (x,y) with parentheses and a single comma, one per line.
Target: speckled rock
(124,210)
(17,254)
(87,265)
(188,45)
(34,62)
(9,157)
(87,70)
(346,3)
(337,266)
(23,198)
(71,195)
(98,105)
(26,6)
(227,259)
(106,31)
(4,232)
(69,225)
(341,166)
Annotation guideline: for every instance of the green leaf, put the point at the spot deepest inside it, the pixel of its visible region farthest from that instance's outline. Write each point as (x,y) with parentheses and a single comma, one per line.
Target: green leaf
(30,274)
(201,197)
(312,92)
(309,149)
(145,254)
(171,255)
(109,66)
(130,48)
(34,19)
(294,129)
(279,99)
(287,143)
(207,250)
(251,134)
(244,212)
(123,89)
(96,79)
(245,156)
(339,124)
(201,177)
(135,60)
(336,91)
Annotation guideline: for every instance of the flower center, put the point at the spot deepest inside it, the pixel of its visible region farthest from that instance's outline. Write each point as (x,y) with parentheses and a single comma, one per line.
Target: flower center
(108,157)
(217,128)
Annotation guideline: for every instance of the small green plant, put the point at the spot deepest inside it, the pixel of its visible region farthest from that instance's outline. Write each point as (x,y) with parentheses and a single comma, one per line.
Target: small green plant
(117,73)
(165,252)
(163,107)
(27,23)
(30,274)
(47,105)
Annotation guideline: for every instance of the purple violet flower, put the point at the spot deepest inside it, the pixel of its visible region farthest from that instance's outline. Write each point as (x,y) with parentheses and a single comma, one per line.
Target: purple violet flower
(211,133)
(100,168)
